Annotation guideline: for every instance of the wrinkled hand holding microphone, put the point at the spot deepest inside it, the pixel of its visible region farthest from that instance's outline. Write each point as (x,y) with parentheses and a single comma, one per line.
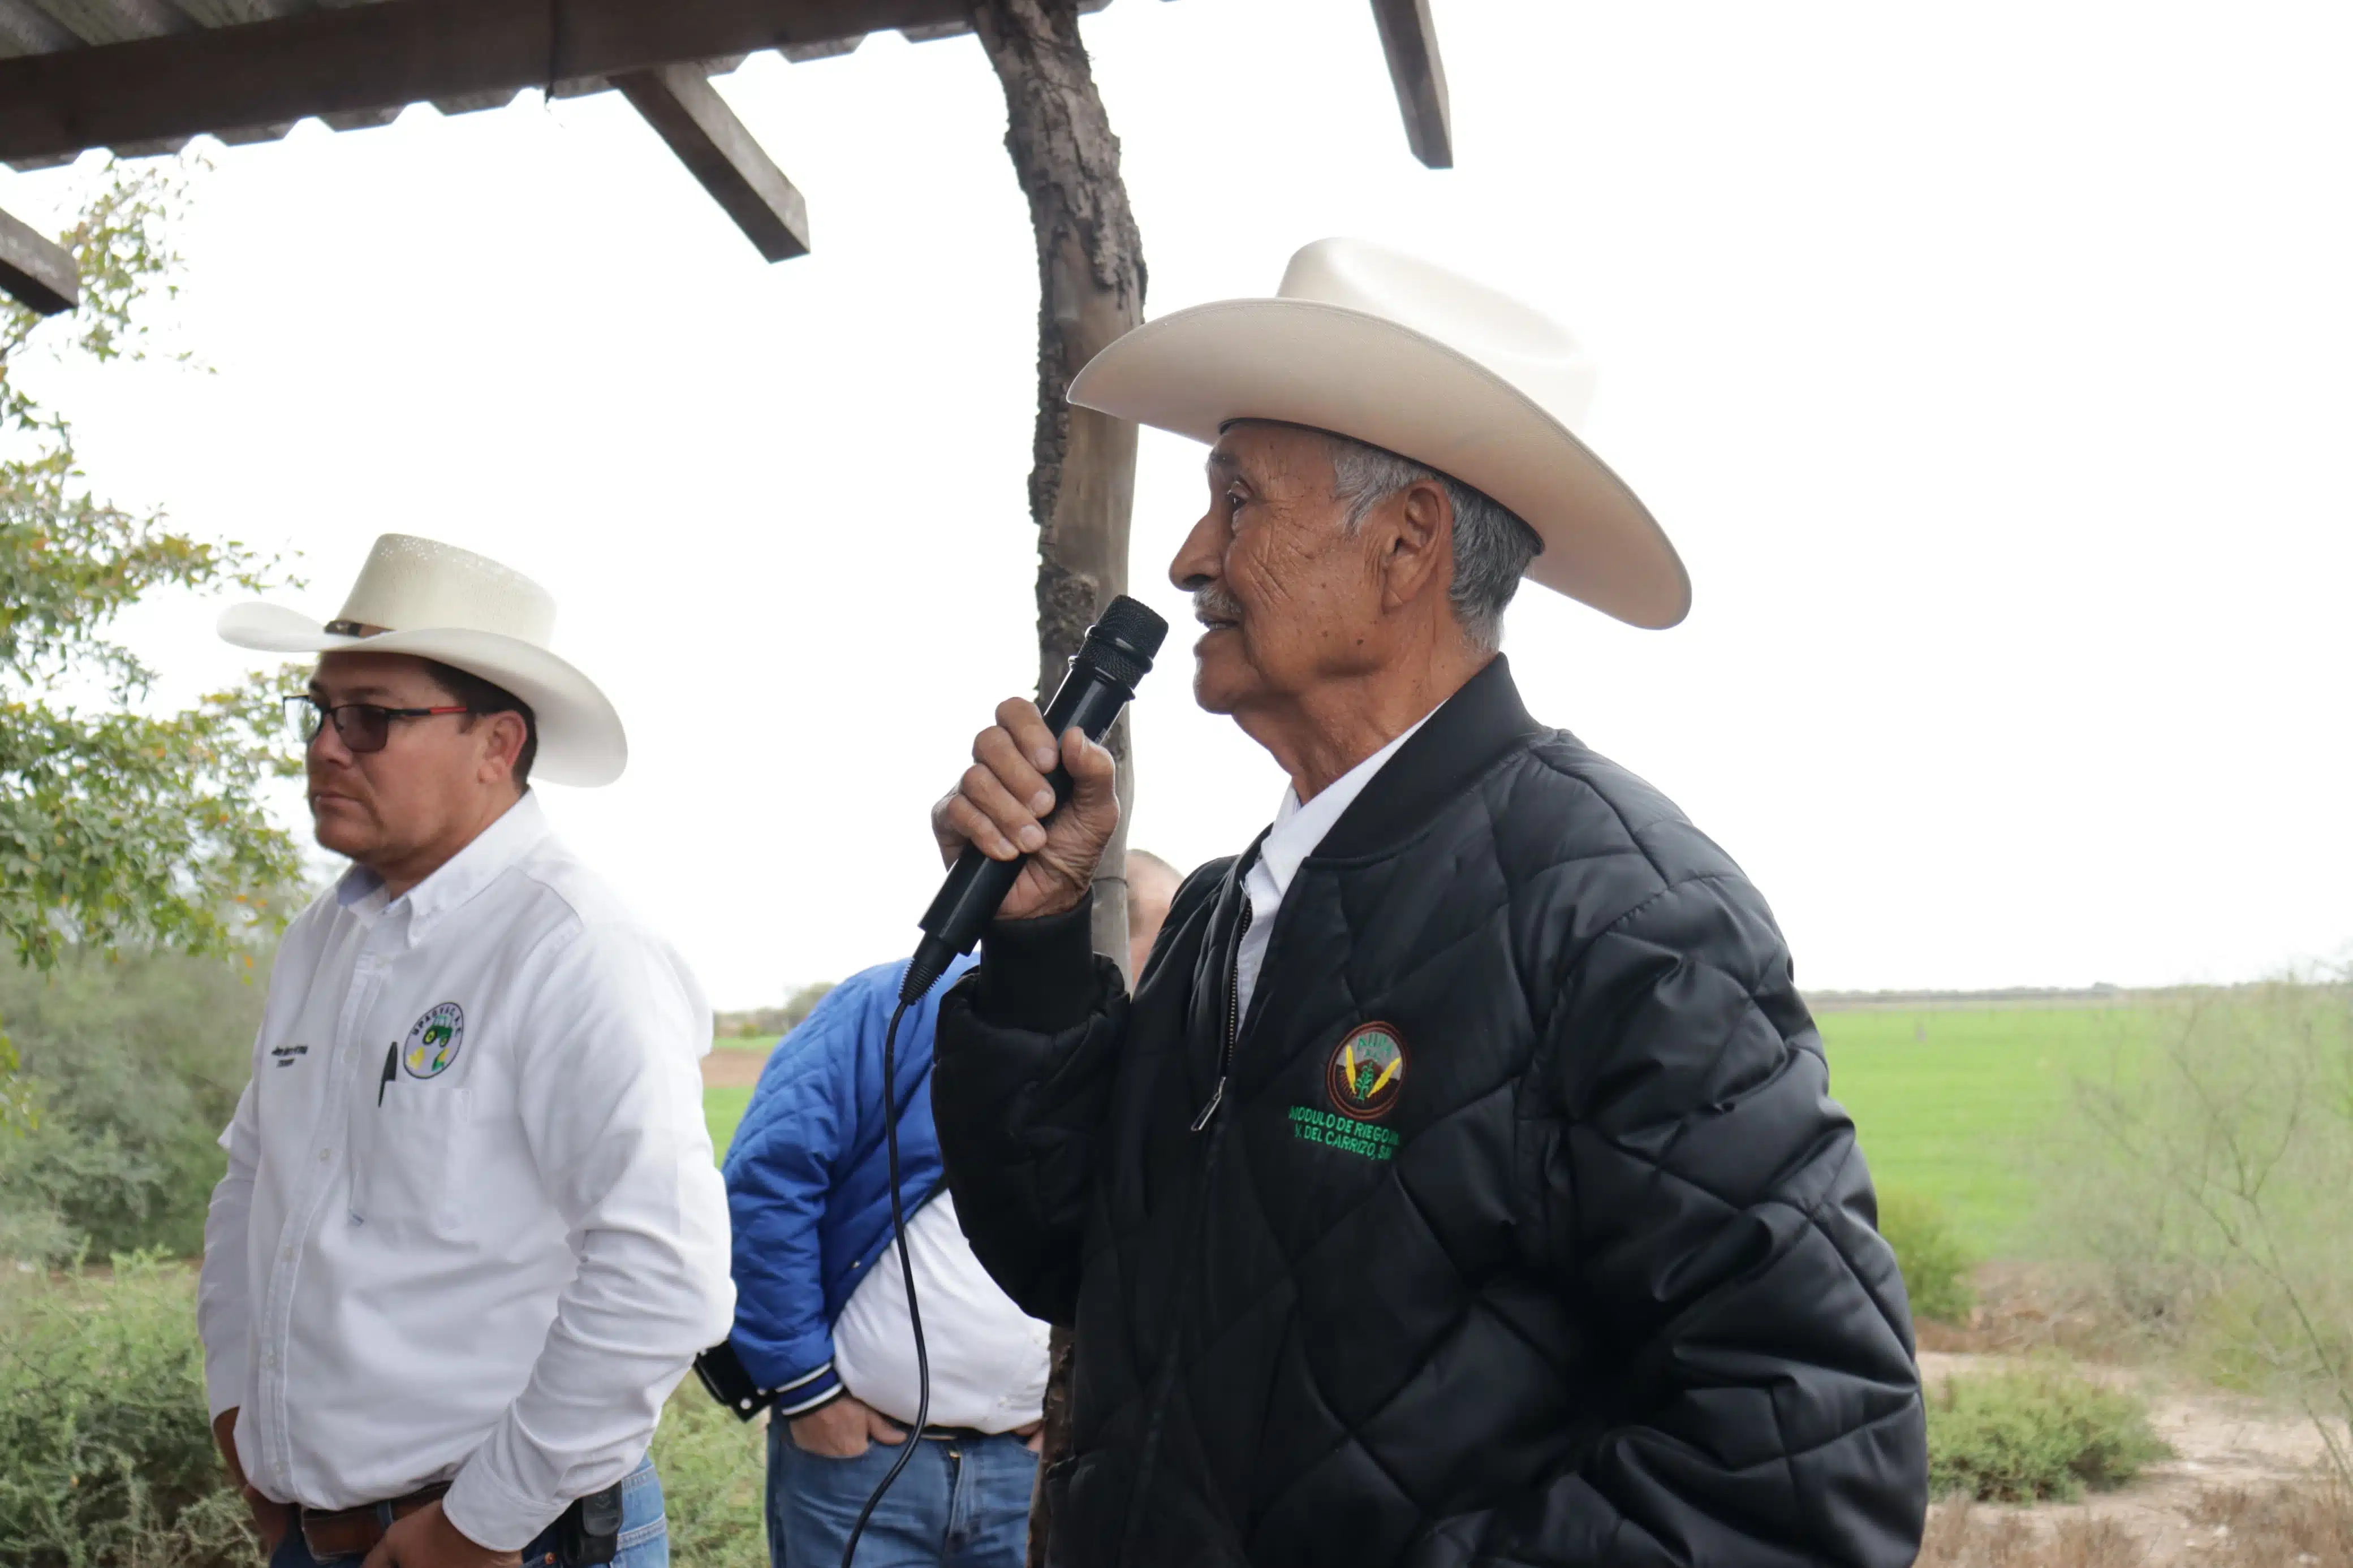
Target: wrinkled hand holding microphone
(1014,851)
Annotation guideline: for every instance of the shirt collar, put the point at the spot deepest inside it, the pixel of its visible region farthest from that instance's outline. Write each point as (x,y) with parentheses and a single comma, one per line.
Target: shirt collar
(361,891)
(1298,828)
(513,835)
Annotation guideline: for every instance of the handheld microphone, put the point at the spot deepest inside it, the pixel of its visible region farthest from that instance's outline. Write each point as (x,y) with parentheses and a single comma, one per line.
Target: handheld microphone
(1116,655)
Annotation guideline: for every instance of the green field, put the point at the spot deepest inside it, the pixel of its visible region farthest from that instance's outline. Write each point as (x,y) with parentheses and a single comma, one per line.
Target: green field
(1950,1102)
(721,1109)
(724,1108)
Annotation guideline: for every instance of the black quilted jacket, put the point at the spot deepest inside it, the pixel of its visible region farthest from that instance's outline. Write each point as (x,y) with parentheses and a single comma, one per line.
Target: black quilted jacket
(1523,1230)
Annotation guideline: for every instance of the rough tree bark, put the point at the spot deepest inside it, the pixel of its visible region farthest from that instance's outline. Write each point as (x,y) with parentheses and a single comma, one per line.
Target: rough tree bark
(1083,483)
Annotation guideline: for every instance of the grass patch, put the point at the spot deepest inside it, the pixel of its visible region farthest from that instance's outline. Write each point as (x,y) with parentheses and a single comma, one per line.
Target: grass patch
(1961,1535)
(723,1113)
(2273,1527)
(106,1457)
(713,1474)
(2041,1432)
(107,1460)
(1950,1103)
(2283,1524)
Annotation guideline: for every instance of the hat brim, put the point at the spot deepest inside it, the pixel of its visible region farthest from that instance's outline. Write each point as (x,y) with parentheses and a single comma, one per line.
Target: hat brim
(580,741)
(1362,375)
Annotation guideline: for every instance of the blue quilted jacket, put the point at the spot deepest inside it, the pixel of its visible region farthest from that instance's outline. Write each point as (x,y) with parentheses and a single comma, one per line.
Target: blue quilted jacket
(808,1186)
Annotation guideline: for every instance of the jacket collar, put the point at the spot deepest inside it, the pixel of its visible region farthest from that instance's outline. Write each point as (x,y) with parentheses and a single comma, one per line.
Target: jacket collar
(1469,734)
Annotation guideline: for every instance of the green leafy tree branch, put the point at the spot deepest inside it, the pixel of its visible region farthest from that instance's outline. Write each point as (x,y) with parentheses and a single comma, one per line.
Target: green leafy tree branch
(117,825)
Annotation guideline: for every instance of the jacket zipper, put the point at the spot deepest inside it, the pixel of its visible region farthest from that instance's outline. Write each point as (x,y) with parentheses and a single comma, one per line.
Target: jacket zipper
(1233,1021)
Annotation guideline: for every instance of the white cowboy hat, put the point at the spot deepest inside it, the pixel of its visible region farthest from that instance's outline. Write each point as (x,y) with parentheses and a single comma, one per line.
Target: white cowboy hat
(435,601)
(1364,341)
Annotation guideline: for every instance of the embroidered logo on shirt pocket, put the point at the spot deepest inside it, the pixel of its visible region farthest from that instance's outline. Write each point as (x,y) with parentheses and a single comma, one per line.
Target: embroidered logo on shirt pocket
(434,1040)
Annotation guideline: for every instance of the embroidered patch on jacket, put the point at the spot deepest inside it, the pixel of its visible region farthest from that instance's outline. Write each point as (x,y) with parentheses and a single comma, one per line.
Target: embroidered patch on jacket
(433,1041)
(1367,1072)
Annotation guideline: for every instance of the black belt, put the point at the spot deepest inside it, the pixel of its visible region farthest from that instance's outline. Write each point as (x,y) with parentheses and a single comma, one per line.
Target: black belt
(959,1434)
(588,1530)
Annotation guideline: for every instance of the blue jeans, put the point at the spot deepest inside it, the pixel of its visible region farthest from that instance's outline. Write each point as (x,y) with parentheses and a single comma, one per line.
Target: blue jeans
(645,1534)
(958,1504)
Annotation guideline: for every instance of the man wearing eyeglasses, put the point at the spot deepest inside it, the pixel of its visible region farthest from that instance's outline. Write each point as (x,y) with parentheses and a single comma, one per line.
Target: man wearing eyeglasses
(472,1233)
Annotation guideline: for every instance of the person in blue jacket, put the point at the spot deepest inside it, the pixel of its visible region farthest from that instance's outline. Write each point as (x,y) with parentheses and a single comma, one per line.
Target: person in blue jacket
(821,1314)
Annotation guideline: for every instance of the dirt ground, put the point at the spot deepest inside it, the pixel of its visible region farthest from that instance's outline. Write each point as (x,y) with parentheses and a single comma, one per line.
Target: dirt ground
(2221,1442)
(733,1067)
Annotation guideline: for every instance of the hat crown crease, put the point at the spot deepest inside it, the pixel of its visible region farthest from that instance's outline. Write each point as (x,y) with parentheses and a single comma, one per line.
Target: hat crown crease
(408,582)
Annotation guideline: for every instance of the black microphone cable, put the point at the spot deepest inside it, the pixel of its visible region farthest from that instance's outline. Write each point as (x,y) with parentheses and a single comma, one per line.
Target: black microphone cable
(907,1274)
(1116,653)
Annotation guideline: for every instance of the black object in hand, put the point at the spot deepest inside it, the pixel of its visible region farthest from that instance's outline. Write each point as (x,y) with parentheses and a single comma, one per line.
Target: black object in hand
(1116,655)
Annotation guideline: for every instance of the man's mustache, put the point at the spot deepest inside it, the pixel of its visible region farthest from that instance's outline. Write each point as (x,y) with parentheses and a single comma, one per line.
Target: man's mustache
(1216,605)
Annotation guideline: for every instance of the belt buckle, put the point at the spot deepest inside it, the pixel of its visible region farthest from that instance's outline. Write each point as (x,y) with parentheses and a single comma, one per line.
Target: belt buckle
(371,1522)
(330,1556)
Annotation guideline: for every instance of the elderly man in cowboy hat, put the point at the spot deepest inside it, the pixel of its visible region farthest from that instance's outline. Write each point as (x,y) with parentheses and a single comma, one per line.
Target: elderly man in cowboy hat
(1460,1184)
(471,1234)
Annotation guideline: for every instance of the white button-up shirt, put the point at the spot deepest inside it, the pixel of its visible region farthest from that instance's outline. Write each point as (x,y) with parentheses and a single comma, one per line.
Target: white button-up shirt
(1297,830)
(471,1229)
(988,1360)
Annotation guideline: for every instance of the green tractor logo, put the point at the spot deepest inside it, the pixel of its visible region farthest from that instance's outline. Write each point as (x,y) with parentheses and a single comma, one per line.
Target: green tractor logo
(434,1040)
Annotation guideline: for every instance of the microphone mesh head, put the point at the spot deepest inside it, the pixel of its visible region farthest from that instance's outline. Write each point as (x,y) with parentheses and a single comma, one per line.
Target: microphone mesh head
(1134,626)
(1122,640)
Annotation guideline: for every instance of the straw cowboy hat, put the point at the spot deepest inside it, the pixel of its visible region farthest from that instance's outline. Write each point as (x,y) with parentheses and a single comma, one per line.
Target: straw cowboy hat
(1364,341)
(435,601)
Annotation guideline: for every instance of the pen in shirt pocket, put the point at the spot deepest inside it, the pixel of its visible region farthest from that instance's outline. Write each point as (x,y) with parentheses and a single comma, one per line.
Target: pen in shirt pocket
(363,1137)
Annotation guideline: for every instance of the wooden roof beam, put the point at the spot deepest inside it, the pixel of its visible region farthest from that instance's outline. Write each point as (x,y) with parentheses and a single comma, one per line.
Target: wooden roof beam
(1411,41)
(718,149)
(378,57)
(36,270)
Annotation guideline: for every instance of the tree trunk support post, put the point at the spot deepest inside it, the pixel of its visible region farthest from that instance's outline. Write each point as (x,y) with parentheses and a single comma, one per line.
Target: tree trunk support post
(1083,484)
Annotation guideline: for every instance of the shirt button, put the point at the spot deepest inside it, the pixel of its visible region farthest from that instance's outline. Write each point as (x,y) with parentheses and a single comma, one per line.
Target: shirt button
(326,1155)
(286,1255)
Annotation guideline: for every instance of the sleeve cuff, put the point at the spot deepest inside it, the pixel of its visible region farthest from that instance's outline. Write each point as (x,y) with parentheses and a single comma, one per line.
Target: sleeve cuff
(491,1514)
(1039,974)
(816,1395)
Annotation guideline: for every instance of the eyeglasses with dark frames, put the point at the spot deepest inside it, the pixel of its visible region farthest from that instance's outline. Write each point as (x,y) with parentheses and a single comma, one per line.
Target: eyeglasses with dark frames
(361,726)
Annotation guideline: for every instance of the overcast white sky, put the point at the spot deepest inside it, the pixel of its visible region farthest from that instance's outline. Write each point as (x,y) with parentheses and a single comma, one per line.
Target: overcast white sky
(1987,363)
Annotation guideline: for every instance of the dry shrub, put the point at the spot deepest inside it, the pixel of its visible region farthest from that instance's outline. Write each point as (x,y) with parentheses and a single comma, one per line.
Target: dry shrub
(2206,1183)
(1934,1262)
(2026,1307)
(2277,1526)
(1963,1535)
